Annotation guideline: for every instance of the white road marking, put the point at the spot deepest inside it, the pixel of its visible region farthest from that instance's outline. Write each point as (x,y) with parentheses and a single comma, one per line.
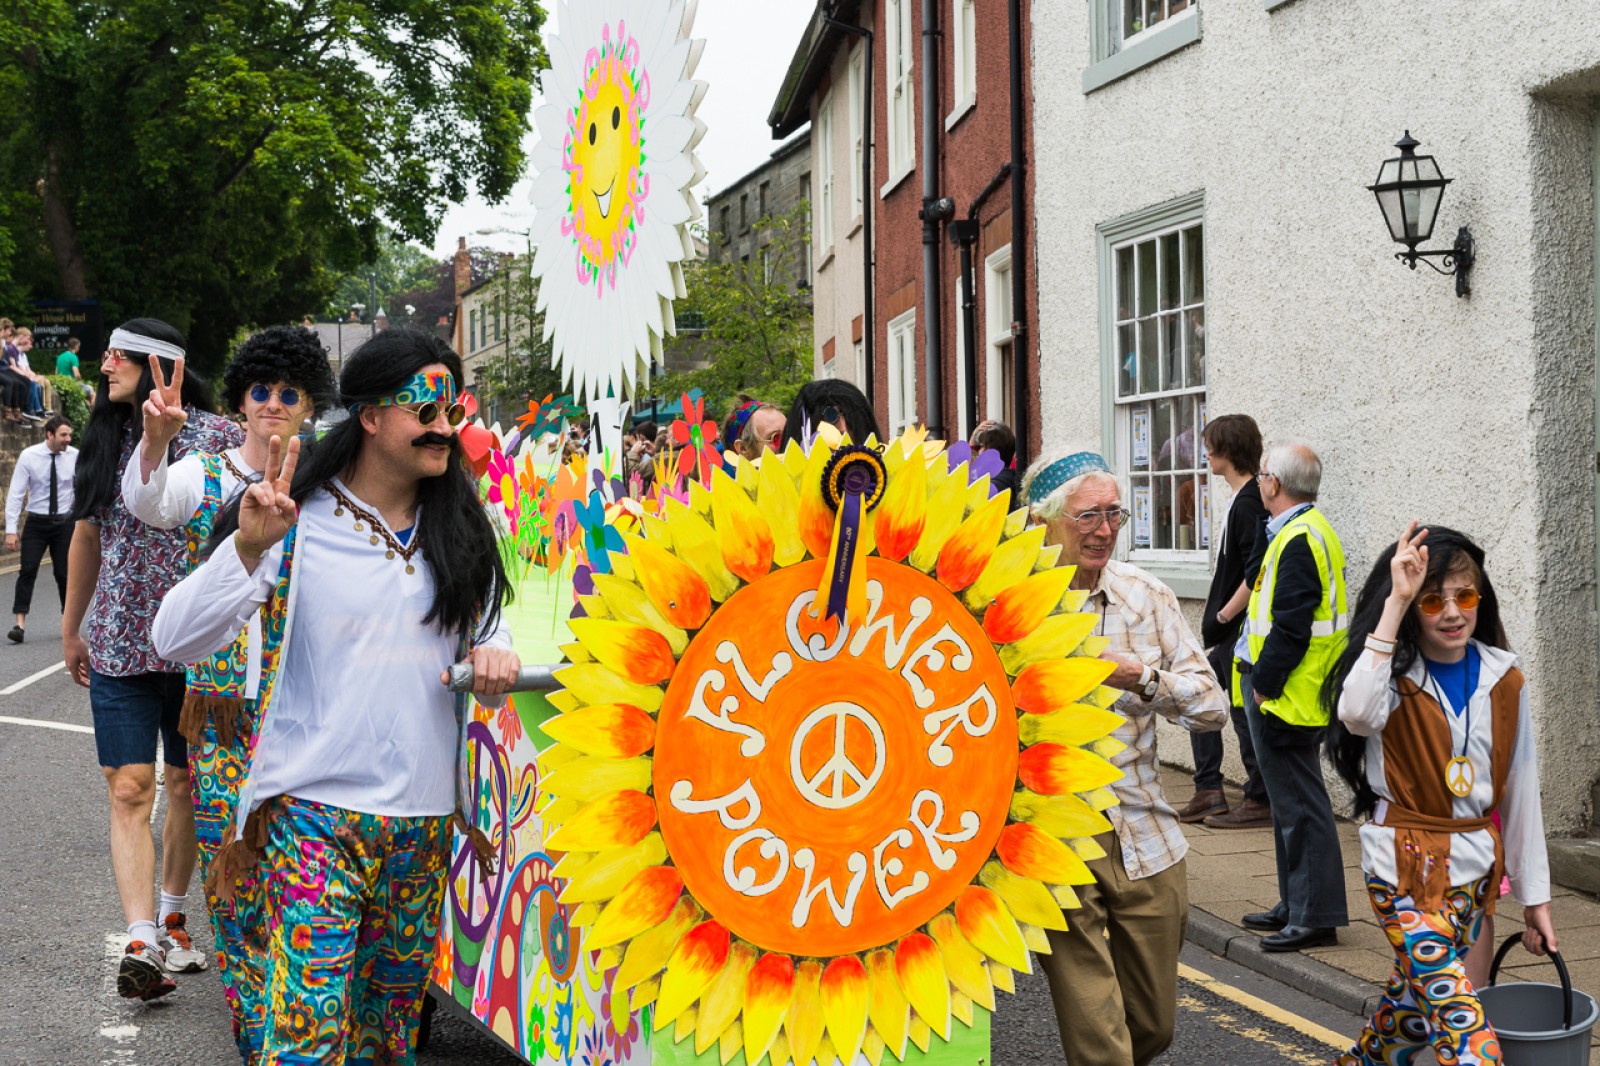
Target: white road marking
(31,678)
(67,726)
(115,1025)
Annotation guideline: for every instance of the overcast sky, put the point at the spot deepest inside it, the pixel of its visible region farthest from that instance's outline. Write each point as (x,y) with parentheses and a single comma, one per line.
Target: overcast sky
(748,47)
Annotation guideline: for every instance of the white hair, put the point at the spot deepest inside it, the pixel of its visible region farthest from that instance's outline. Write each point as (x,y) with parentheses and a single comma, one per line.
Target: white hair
(1297,468)
(1054,505)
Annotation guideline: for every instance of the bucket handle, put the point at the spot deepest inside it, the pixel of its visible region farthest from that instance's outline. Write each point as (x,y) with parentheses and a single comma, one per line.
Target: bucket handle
(1561,968)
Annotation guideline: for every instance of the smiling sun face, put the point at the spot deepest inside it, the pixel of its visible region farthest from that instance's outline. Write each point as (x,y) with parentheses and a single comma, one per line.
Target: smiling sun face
(605,152)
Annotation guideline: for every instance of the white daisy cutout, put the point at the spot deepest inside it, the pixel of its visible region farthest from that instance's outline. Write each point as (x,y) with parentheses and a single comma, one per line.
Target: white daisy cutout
(615,165)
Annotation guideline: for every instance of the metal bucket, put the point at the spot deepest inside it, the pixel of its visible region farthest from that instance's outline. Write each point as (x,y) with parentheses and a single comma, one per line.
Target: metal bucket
(1539,1024)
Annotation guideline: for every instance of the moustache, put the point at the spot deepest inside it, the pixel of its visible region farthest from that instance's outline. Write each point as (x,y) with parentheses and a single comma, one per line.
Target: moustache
(430,438)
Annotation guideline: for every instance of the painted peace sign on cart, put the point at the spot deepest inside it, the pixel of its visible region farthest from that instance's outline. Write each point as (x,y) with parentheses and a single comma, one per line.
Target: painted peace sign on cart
(826,786)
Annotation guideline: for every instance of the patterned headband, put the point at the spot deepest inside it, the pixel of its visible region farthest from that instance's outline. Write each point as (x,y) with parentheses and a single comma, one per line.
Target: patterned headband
(1062,471)
(435,385)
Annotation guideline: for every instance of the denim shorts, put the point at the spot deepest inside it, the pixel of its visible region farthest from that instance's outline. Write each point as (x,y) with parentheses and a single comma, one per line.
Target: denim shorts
(130,712)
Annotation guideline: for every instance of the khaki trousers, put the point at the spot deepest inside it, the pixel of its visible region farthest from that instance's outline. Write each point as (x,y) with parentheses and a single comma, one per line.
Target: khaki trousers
(1114,973)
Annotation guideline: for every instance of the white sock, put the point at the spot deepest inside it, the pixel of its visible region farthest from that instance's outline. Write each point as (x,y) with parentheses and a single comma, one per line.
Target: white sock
(144,929)
(170,904)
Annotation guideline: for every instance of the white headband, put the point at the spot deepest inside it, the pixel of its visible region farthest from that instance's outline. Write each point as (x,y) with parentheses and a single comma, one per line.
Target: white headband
(135,342)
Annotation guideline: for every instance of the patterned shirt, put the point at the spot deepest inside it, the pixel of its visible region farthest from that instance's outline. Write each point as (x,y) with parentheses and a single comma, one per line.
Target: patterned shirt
(139,563)
(1140,617)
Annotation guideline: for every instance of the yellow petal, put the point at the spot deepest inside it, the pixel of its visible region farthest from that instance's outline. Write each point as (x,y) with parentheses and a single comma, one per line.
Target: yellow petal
(899,517)
(1020,609)
(1061,816)
(619,820)
(844,1004)
(612,869)
(887,1005)
(731,1041)
(1077,723)
(921,1034)
(873,1047)
(1043,687)
(961,1003)
(1037,939)
(672,585)
(720,1003)
(804,1023)
(1055,637)
(686,1024)
(594,684)
(1101,799)
(1056,769)
(645,992)
(1013,561)
(1001,976)
(742,531)
(780,1050)
(1029,851)
(920,967)
(816,517)
(767,993)
(986,922)
(615,730)
(945,510)
(695,542)
(648,952)
(645,901)
(1087,848)
(1104,696)
(969,549)
(1026,899)
(1065,897)
(779,500)
(962,961)
(627,602)
(592,776)
(698,957)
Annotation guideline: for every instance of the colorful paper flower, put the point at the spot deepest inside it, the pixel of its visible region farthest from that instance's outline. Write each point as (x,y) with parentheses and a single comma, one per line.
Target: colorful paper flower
(502,473)
(695,436)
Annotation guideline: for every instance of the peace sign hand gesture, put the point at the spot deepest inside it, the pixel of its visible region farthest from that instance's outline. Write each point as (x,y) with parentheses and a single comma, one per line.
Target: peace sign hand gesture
(1409,567)
(164,415)
(266,511)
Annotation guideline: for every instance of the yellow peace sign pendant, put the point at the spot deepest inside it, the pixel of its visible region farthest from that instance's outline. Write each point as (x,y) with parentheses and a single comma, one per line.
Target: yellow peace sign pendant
(1459,776)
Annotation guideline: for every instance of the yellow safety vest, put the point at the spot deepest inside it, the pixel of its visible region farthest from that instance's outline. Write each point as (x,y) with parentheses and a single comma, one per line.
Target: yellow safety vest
(1301,702)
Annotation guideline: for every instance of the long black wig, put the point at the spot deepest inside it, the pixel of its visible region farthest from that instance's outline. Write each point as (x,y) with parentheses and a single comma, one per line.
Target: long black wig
(1448,550)
(454,533)
(826,400)
(98,481)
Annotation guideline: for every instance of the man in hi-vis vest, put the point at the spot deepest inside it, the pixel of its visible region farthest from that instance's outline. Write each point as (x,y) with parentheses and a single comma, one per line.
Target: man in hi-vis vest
(1293,634)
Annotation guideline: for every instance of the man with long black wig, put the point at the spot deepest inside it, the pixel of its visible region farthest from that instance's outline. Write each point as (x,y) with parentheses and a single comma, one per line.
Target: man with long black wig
(118,569)
(373,567)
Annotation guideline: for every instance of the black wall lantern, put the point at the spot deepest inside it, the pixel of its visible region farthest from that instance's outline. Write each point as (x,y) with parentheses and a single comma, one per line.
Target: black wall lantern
(1409,189)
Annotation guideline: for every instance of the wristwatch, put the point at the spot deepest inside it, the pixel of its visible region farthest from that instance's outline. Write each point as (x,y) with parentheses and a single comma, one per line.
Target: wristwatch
(1149,683)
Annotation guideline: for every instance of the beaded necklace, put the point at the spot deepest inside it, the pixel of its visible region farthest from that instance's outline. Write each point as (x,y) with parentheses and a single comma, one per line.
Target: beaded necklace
(361,514)
(248,479)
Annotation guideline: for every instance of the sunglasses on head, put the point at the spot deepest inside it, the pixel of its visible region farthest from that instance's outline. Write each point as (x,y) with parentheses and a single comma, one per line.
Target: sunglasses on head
(1433,602)
(289,396)
(429,411)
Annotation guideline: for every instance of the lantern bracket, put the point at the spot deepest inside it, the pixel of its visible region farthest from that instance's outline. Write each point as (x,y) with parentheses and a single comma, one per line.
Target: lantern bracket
(1454,261)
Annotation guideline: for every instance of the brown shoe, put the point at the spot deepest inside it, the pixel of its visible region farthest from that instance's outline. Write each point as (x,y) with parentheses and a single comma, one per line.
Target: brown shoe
(1206,802)
(1251,814)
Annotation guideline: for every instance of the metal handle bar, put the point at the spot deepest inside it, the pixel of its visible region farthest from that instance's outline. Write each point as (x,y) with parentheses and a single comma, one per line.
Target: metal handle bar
(531,679)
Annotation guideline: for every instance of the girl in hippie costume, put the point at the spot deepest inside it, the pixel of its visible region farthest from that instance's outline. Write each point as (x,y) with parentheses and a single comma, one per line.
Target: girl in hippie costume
(1434,735)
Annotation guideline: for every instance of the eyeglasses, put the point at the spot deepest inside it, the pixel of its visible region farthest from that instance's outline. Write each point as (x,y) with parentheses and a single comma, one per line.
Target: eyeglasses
(427,413)
(289,396)
(1433,603)
(1265,474)
(1089,521)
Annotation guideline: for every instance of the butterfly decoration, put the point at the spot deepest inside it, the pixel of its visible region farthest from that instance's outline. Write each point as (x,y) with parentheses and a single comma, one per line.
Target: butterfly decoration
(549,415)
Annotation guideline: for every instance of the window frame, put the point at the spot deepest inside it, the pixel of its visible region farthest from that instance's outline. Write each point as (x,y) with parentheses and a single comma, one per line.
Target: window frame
(1187,572)
(900,419)
(963,386)
(963,60)
(901,93)
(999,338)
(1113,57)
(822,207)
(854,98)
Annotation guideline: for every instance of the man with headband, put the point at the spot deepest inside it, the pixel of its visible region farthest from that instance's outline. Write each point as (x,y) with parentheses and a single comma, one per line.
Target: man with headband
(373,567)
(1114,971)
(135,694)
(278,379)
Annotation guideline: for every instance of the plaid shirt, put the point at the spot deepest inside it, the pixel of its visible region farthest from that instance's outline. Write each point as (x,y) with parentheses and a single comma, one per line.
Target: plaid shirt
(1140,617)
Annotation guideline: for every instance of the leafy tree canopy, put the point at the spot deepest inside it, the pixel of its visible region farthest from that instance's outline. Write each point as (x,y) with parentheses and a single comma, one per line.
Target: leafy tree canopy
(208,161)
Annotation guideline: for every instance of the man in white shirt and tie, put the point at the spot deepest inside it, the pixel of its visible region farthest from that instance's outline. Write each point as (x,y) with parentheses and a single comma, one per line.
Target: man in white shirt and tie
(44,478)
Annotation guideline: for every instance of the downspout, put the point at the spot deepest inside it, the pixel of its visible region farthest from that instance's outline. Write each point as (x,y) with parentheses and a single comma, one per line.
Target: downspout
(869,331)
(965,234)
(933,212)
(1019,243)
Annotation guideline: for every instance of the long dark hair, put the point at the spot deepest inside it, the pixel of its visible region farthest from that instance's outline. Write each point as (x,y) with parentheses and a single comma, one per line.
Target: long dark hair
(828,399)
(98,480)
(455,535)
(1448,550)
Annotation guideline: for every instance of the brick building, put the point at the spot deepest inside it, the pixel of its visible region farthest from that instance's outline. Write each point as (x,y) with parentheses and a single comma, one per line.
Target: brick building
(774,188)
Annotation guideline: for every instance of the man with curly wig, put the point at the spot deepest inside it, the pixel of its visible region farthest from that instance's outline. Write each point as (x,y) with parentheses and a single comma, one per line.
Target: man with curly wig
(278,379)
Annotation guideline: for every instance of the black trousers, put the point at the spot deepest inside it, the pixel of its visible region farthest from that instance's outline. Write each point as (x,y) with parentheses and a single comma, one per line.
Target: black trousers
(1305,837)
(1207,749)
(41,532)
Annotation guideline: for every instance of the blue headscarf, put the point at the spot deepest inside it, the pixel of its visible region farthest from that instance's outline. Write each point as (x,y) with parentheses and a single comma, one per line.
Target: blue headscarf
(1062,471)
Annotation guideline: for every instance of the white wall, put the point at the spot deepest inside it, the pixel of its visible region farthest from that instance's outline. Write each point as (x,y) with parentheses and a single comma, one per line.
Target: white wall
(837,277)
(1475,413)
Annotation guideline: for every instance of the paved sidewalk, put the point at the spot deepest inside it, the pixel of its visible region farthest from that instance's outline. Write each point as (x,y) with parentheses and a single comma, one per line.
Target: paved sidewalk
(1231,873)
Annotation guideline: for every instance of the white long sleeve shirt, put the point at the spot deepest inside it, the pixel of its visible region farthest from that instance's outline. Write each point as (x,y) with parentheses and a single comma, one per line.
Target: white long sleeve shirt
(358,718)
(1369,698)
(32,481)
(173,493)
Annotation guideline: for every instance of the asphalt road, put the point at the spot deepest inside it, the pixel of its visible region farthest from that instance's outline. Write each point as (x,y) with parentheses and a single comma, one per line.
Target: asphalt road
(61,926)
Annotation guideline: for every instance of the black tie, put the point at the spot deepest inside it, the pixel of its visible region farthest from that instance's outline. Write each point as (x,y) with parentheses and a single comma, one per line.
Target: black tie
(53,482)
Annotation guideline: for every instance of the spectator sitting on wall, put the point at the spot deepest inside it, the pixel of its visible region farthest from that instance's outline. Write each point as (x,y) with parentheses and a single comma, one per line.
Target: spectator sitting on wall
(998,437)
(13,386)
(838,403)
(24,344)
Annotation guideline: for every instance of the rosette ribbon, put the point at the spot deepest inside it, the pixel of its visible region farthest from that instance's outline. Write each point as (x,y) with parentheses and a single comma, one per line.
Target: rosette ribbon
(852,483)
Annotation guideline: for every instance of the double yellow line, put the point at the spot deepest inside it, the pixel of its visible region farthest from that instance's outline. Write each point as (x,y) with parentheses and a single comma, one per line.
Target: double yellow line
(1270,1011)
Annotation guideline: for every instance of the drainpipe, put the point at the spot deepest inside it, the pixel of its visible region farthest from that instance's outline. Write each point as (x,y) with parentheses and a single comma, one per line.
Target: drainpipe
(965,235)
(1019,243)
(934,210)
(869,331)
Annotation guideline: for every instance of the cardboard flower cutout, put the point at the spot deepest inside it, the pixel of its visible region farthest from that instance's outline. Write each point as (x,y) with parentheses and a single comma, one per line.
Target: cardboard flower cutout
(809,834)
(616,164)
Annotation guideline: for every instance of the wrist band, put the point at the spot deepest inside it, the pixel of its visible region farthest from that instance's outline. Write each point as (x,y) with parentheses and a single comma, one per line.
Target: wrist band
(1378,644)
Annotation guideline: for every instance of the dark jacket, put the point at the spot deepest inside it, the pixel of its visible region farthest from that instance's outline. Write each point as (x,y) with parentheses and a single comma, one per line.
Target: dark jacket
(1245,518)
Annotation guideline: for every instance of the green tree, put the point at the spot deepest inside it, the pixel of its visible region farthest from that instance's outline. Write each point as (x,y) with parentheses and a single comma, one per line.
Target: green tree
(751,320)
(208,160)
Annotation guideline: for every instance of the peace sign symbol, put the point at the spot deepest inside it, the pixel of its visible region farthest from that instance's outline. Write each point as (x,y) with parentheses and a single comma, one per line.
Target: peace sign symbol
(1459,776)
(827,786)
